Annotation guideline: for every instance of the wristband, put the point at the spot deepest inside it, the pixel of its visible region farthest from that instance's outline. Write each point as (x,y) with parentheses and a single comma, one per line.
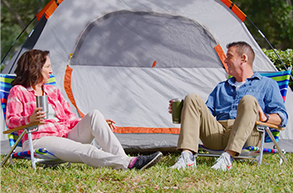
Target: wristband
(267,118)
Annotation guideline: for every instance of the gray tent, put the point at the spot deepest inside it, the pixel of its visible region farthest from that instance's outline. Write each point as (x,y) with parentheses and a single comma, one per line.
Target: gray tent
(128,58)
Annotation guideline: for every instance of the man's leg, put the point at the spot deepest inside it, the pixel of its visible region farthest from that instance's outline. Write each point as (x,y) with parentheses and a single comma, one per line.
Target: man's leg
(244,131)
(198,123)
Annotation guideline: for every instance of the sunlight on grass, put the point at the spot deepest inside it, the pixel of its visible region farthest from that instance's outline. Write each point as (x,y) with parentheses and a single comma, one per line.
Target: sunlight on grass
(245,176)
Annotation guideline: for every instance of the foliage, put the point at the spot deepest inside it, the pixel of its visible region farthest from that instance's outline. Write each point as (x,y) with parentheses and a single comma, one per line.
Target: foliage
(273,17)
(15,15)
(245,176)
(286,56)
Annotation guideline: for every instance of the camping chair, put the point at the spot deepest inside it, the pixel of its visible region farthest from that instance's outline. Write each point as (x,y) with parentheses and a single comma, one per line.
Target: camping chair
(40,155)
(269,132)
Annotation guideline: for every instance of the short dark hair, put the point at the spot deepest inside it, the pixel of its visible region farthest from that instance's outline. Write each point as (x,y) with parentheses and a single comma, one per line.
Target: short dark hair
(29,66)
(243,48)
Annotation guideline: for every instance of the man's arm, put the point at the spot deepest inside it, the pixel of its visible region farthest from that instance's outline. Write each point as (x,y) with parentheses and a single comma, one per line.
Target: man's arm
(273,118)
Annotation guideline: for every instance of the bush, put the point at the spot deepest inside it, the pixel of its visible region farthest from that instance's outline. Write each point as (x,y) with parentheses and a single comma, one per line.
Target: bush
(287,58)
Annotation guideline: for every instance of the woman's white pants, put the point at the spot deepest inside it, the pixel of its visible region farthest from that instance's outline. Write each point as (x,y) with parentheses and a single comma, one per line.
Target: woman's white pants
(77,147)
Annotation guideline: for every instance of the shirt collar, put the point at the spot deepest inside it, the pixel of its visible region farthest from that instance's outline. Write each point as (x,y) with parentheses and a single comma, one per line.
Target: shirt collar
(256,75)
(30,89)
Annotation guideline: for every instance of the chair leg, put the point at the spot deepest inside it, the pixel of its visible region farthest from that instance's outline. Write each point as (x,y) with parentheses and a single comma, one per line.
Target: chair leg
(31,149)
(13,148)
(276,144)
(261,129)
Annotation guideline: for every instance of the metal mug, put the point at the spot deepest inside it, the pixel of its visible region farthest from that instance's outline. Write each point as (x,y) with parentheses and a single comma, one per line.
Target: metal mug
(42,101)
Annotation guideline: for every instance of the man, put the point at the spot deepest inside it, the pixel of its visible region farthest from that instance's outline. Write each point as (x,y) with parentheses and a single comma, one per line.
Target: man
(227,119)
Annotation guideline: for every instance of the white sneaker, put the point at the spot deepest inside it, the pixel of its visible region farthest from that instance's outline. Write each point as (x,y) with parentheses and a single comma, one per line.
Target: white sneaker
(185,160)
(224,162)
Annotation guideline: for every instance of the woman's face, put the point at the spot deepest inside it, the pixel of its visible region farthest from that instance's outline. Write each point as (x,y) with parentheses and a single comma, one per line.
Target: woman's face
(46,70)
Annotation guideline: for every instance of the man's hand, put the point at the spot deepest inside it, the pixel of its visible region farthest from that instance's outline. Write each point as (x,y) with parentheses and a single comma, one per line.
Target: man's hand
(170,107)
(262,116)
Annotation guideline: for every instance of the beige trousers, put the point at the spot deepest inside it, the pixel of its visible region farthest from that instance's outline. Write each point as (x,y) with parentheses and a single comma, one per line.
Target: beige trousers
(77,148)
(198,123)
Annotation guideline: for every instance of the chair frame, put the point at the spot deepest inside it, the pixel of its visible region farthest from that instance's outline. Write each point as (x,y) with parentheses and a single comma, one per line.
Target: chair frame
(28,129)
(263,128)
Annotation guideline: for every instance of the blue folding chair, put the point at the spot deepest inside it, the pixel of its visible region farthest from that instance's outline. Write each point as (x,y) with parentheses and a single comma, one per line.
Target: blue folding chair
(40,155)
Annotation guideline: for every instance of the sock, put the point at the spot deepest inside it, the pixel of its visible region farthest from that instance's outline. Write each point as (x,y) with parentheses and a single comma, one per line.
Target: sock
(132,162)
(190,154)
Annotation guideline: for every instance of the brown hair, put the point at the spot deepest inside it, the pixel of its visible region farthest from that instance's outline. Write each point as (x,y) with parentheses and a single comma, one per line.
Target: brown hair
(29,66)
(243,48)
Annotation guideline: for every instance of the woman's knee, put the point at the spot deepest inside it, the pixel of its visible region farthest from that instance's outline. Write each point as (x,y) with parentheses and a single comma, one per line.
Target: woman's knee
(95,114)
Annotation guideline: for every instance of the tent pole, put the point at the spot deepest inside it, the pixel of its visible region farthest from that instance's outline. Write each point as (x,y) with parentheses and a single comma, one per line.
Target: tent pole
(269,45)
(17,39)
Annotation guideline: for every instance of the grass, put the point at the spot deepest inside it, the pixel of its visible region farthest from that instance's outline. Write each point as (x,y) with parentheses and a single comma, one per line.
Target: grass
(245,176)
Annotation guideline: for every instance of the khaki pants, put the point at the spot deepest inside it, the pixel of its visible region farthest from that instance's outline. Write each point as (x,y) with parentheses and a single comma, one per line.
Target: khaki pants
(198,123)
(77,147)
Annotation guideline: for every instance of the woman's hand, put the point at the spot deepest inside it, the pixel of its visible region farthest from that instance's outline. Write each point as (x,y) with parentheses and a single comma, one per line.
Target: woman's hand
(111,124)
(38,115)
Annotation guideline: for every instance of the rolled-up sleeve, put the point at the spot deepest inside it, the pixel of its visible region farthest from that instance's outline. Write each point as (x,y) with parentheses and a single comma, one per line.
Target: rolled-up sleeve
(15,115)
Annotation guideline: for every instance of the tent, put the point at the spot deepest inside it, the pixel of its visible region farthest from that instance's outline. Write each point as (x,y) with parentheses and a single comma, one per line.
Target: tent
(128,58)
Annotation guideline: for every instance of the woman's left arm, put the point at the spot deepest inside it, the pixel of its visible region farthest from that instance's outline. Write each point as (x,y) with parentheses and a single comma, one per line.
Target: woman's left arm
(15,114)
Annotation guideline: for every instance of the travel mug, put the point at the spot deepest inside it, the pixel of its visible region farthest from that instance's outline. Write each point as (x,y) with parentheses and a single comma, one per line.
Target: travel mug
(176,105)
(42,101)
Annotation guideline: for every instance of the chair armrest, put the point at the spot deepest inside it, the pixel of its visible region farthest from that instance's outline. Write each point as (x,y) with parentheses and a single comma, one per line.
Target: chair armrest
(22,127)
(270,125)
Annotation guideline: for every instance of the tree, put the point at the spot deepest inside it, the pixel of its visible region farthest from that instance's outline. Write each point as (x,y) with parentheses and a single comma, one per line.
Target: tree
(273,17)
(15,15)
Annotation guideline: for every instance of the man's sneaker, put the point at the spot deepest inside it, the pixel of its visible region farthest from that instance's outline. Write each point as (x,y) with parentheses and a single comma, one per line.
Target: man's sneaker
(224,162)
(185,160)
(143,162)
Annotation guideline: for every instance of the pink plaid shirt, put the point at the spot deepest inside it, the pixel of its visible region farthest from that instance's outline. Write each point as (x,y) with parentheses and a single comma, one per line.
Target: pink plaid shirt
(22,102)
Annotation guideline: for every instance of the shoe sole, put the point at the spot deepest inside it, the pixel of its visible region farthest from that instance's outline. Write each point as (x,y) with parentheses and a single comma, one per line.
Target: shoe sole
(153,161)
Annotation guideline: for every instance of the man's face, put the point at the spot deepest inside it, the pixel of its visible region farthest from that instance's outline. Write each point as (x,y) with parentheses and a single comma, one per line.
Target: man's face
(233,61)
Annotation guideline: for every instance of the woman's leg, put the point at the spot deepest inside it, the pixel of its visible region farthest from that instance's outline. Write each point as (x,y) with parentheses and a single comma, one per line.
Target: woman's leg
(77,152)
(93,125)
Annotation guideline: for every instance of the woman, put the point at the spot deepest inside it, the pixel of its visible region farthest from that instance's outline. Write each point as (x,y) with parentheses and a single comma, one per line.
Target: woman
(66,136)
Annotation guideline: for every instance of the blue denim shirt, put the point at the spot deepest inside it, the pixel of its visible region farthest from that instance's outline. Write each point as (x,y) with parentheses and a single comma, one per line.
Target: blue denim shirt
(224,99)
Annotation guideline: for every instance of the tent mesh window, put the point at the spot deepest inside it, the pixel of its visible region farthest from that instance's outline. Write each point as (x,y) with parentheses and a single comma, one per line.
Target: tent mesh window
(138,39)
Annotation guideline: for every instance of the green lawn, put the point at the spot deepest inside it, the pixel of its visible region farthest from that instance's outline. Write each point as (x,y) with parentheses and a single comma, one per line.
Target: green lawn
(245,176)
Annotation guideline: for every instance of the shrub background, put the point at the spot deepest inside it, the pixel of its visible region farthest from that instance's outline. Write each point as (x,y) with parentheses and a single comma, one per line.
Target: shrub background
(287,58)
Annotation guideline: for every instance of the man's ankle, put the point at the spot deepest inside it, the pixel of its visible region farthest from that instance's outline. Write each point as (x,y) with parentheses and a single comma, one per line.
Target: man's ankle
(231,153)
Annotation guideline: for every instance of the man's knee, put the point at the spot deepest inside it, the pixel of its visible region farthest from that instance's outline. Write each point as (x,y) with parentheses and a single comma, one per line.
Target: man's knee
(191,97)
(248,101)
(193,100)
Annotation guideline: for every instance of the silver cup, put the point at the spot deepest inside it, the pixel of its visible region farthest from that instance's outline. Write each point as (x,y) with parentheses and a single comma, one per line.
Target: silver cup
(42,101)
